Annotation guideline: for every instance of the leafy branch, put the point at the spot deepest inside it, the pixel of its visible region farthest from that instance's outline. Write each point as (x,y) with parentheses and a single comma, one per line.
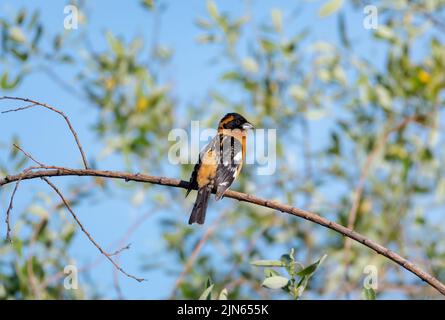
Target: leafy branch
(44,171)
(299,275)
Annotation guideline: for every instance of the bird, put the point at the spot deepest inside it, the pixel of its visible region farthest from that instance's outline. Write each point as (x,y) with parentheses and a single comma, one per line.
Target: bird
(219,163)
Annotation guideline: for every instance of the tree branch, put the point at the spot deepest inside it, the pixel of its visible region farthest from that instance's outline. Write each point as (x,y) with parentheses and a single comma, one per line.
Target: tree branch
(53,171)
(67,205)
(106,254)
(44,105)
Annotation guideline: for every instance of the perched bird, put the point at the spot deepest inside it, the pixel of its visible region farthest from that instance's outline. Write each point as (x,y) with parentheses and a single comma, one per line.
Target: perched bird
(219,164)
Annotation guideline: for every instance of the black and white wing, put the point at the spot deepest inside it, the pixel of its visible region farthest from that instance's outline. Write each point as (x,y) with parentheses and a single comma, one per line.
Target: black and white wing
(212,145)
(230,164)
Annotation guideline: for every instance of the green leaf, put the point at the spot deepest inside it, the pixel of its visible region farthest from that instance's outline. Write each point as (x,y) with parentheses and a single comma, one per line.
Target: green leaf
(330,7)
(223,294)
(267,45)
(286,259)
(20,17)
(310,270)
(207,294)
(22,56)
(209,282)
(231,76)
(306,274)
(8,85)
(205,38)
(369,294)
(385,32)
(115,44)
(250,65)
(275,282)
(17,35)
(342,30)
(148,4)
(289,263)
(383,97)
(267,263)
(270,273)
(37,36)
(213,9)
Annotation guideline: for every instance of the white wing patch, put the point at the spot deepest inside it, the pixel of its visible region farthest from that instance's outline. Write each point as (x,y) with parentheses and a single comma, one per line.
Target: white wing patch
(237,158)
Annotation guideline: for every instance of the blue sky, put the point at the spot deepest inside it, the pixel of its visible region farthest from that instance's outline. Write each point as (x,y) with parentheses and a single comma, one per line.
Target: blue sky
(45,135)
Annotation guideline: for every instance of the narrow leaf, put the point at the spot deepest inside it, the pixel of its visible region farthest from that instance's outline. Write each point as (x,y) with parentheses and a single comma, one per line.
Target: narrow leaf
(330,7)
(312,268)
(275,282)
(267,263)
(207,294)
(223,295)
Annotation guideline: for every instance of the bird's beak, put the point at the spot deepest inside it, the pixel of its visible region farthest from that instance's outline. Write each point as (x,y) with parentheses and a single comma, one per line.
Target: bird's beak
(248,126)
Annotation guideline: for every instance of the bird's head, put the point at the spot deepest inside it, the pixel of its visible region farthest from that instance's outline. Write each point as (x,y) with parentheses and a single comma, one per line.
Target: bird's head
(233,121)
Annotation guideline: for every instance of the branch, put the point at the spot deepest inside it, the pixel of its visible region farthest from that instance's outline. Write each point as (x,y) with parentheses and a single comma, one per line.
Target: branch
(102,251)
(52,171)
(66,203)
(44,105)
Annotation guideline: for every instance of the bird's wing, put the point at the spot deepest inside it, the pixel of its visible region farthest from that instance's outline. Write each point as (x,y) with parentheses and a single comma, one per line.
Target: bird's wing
(212,145)
(230,164)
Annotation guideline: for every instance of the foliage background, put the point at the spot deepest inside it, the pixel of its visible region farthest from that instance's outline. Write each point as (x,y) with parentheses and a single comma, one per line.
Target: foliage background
(335,91)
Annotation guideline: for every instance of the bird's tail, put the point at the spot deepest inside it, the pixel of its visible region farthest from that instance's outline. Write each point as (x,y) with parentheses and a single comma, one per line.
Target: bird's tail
(199,209)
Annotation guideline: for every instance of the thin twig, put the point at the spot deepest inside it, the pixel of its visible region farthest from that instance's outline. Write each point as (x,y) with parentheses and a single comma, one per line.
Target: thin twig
(118,251)
(20,109)
(134,226)
(34,103)
(102,251)
(11,200)
(65,202)
(11,205)
(28,155)
(315,218)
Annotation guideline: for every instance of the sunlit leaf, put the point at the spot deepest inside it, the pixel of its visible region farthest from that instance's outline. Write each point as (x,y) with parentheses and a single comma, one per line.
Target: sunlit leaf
(223,294)
(275,282)
(250,65)
(17,34)
(212,9)
(330,7)
(207,294)
(267,263)
(312,268)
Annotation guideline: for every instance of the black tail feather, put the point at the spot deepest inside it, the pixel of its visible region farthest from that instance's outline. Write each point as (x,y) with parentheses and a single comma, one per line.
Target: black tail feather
(199,209)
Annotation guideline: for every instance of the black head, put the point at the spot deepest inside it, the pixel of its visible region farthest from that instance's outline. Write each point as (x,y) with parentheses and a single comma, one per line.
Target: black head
(234,121)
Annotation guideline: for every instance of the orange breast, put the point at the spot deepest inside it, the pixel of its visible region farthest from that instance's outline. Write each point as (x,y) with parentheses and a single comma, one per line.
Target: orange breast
(207,170)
